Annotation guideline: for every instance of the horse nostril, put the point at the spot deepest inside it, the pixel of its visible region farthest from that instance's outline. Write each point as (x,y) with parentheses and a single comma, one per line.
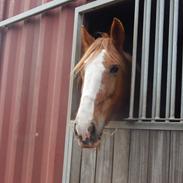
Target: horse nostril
(87,141)
(86,136)
(92,129)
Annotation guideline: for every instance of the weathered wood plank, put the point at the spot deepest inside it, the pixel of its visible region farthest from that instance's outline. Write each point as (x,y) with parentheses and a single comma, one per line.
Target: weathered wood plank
(158,169)
(75,162)
(88,166)
(138,163)
(176,157)
(105,159)
(67,154)
(121,156)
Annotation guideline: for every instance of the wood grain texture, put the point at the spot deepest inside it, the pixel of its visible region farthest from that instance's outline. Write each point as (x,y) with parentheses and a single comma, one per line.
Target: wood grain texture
(158,165)
(139,156)
(138,162)
(176,157)
(88,166)
(68,154)
(75,162)
(105,159)
(121,156)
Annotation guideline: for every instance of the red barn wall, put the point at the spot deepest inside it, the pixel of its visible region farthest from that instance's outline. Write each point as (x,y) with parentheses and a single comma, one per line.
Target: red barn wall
(35,58)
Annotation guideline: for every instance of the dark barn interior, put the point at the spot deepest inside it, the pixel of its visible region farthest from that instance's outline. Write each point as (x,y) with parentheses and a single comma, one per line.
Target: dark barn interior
(100,20)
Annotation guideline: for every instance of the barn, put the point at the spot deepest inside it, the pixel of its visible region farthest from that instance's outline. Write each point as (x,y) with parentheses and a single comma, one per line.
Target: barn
(40,45)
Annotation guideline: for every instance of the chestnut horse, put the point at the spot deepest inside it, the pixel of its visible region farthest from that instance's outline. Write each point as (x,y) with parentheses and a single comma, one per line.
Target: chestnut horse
(104,70)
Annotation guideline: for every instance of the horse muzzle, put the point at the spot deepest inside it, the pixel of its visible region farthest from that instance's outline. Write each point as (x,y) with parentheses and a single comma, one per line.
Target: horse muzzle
(90,139)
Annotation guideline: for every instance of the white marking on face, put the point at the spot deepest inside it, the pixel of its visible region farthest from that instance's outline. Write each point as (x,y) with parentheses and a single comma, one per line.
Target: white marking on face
(91,86)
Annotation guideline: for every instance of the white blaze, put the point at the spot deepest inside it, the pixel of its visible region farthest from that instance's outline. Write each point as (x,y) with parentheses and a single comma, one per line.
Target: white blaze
(91,86)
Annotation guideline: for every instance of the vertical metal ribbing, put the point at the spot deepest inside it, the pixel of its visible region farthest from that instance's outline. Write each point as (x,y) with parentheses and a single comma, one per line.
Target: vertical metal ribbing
(158,59)
(172,59)
(169,60)
(145,59)
(134,58)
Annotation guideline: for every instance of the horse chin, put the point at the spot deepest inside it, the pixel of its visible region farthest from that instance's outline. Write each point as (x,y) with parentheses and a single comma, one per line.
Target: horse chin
(91,145)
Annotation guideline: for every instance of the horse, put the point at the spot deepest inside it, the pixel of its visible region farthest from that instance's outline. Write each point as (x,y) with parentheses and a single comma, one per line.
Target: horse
(104,71)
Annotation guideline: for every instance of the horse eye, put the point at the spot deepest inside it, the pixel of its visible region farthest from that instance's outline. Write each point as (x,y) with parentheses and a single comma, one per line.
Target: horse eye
(114,69)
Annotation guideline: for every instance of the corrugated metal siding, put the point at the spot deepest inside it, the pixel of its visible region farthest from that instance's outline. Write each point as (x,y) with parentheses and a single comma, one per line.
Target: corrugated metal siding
(34,78)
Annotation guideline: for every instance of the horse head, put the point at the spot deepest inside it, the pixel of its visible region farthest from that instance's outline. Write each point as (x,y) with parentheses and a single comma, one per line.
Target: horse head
(103,70)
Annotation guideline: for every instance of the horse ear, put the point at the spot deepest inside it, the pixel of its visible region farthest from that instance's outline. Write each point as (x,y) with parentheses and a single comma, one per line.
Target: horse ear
(86,39)
(117,33)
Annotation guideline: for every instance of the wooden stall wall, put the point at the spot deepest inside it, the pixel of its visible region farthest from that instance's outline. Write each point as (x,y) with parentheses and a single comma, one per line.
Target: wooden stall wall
(130,156)
(34,79)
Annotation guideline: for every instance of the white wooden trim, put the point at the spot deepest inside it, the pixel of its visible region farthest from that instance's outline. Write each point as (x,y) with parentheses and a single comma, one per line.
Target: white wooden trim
(69,137)
(96,5)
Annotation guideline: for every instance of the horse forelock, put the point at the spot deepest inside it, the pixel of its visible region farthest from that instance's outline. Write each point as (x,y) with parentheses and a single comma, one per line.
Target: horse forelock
(112,55)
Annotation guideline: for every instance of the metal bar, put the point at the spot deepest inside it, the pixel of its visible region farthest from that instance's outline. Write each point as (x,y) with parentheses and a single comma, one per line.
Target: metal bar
(153,119)
(145,59)
(145,125)
(89,7)
(170,39)
(174,58)
(181,114)
(142,63)
(134,58)
(32,12)
(155,59)
(158,59)
(142,125)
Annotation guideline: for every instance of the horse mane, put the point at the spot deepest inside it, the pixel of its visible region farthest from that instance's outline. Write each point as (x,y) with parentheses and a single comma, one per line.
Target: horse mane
(112,54)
